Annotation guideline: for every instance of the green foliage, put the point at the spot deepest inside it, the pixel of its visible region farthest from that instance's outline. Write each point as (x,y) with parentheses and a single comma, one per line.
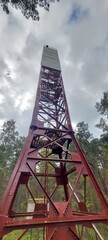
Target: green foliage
(83,132)
(102,108)
(31,234)
(10,147)
(27,7)
(103,125)
(96,151)
(9,134)
(83,135)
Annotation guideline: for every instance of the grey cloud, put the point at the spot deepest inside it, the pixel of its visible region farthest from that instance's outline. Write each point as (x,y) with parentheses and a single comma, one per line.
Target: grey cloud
(95,70)
(78,13)
(83,52)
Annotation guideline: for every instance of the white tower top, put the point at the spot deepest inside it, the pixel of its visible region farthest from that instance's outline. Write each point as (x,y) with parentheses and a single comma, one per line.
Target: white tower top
(50,58)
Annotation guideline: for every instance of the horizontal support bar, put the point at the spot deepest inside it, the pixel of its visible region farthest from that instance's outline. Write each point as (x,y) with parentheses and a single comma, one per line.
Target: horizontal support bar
(26,214)
(47,175)
(55,160)
(54,222)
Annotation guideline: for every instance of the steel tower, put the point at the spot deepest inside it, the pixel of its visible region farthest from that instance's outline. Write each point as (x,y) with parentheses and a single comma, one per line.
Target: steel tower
(52,171)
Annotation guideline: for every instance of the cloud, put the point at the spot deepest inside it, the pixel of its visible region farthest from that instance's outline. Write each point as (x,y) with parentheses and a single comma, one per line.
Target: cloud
(80,34)
(78,13)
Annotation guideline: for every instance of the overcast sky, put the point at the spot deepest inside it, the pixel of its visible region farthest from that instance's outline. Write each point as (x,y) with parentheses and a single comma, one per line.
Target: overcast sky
(79,31)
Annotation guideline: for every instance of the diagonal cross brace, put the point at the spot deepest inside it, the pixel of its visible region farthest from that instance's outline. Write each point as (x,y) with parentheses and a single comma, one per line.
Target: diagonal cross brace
(43,190)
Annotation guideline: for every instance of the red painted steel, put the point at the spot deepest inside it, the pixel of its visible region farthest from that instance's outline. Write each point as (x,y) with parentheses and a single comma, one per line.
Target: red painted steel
(56,179)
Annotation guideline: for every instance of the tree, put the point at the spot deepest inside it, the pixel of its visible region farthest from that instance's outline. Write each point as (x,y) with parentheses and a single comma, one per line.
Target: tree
(83,131)
(10,147)
(84,136)
(102,108)
(9,135)
(96,153)
(29,8)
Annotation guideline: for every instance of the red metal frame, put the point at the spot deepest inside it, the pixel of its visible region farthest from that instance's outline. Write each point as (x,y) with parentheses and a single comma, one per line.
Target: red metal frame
(49,142)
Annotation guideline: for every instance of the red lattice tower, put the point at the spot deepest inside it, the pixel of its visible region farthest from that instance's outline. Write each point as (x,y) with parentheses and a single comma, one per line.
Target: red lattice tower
(52,172)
